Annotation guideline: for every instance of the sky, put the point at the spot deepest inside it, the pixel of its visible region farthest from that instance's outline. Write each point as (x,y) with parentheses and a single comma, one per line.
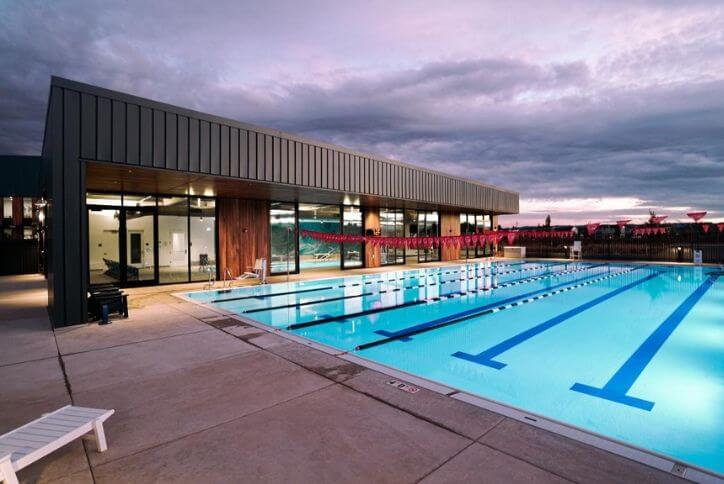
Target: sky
(591,110)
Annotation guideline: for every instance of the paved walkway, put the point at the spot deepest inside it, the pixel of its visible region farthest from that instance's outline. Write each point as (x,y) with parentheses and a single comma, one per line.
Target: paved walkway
(203,398)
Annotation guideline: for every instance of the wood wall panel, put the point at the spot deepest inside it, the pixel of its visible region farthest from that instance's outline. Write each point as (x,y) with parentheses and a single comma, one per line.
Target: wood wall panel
(372,222)
(243,233)
(449,225)
(17,216)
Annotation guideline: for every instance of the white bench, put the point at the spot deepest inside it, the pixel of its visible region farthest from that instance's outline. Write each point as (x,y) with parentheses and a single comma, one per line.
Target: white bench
(25,445)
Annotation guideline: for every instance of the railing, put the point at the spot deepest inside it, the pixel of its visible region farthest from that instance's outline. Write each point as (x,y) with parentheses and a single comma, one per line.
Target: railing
(661,248)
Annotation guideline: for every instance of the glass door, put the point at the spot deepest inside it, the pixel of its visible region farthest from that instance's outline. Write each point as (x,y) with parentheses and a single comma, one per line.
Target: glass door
(283,230)
(173,239)
(104,254)
(139,246)
(352,252)
(392,225)
(428,226)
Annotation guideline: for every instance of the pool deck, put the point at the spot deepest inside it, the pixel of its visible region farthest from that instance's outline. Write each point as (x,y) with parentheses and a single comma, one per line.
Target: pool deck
(202,397)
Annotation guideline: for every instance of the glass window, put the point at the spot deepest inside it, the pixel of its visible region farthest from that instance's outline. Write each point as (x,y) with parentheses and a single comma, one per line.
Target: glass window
(473,224)
(352,252)
(282,222)
(392,225)
(103,253)
(139,200)
(27,208)
(103,199)
(8,210)
(467,227)
(203,238)
(28,233)
(314,254)
(173,241)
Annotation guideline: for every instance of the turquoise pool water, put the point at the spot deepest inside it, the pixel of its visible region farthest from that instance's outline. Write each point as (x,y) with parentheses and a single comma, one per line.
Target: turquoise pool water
(632,352)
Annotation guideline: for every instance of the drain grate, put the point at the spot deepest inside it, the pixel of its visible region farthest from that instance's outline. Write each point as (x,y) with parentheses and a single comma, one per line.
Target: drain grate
(400,385)
(678,469)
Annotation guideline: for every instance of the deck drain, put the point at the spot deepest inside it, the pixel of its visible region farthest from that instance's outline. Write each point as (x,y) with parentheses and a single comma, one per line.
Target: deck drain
(400,385)
(678,469)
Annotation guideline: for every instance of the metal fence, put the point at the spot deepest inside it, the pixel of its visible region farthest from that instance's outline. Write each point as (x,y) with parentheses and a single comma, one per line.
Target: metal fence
(661,248)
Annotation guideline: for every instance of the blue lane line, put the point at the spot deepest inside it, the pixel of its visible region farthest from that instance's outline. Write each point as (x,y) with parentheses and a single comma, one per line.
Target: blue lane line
(621,382)
(435,322)
(486,357)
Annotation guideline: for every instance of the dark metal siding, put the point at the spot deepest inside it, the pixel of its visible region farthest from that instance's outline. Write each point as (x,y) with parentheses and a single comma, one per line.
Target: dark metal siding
(113,128)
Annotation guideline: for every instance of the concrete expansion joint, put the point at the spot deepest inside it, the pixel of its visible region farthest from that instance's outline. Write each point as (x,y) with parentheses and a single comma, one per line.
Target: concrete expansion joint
(520,458)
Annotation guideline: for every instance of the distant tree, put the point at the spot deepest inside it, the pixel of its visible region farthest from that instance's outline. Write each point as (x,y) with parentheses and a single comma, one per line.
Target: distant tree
(652,214)
(548,220)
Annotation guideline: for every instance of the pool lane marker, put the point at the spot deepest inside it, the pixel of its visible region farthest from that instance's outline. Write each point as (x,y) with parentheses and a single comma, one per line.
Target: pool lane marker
(486,358)
(405,334)
(379,281)
(330,319)
(263,296)
(383,291)
(616,389)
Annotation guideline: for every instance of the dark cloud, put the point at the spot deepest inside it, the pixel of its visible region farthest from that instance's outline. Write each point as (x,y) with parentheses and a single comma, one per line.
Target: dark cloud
(640,118)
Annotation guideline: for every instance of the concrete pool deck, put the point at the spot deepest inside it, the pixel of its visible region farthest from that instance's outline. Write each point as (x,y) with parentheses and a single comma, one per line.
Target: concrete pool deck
(205,398)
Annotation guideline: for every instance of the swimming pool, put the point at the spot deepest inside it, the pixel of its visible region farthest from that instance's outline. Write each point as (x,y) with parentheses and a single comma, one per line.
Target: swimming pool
(631,352)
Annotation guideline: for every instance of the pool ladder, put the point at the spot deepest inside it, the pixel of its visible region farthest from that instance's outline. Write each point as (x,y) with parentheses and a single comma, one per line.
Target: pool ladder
(228,277)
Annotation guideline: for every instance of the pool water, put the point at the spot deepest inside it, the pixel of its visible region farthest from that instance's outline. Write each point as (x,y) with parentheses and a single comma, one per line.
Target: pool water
(632,352)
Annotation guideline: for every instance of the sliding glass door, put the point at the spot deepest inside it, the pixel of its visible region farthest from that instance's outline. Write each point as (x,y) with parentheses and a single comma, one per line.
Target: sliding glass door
(283,230)
(140,245)
(428,226)
(392,225)
(173,239)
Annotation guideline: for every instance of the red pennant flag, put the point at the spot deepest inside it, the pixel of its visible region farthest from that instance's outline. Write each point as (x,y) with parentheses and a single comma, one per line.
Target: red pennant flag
(696,215)
(622,223)
(511,237)
(705,227)
(720,226)
(659,219)
(591,228)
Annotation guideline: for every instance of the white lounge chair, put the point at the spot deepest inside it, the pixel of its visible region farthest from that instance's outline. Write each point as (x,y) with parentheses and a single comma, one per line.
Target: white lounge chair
(323,256)
(576,250)
(257,272)
(25,445)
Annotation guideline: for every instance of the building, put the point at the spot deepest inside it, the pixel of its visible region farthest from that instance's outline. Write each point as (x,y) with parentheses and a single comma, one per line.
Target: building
(21,215)
(140,192)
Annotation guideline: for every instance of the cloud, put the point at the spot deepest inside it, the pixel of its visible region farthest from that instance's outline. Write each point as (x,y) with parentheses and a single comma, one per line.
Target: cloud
(567,104)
